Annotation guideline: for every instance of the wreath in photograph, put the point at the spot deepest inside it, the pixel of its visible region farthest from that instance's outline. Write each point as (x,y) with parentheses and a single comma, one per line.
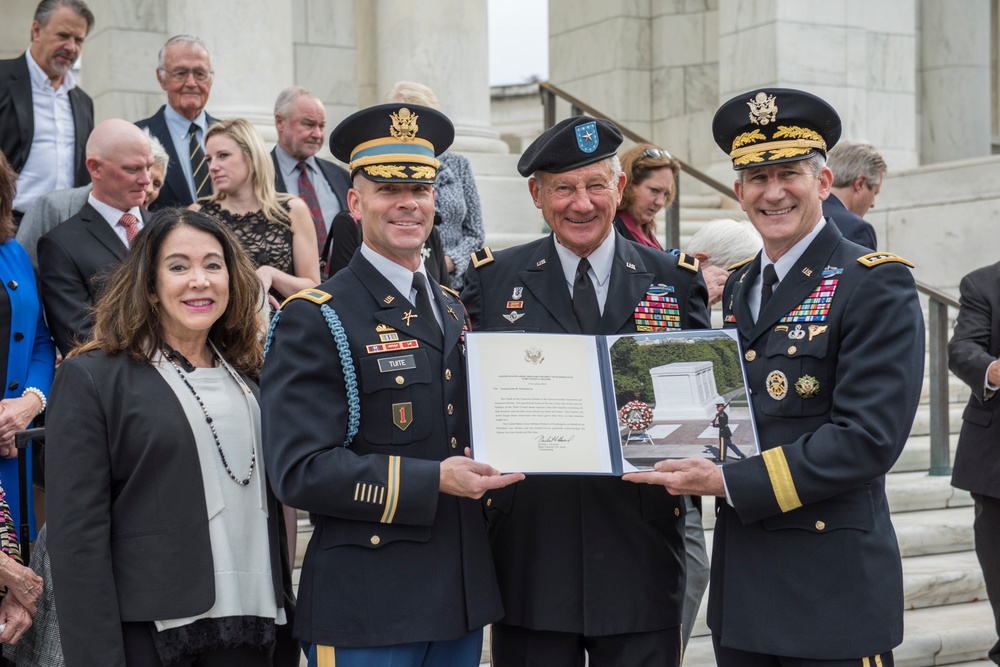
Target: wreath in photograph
(636,415)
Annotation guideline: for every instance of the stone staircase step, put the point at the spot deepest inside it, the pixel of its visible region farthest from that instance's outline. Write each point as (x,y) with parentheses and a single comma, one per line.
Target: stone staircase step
(916,455)
(922,420)
(946,635)
(942,579)
(949,635)
(944,531)
(912,491)
(692,200)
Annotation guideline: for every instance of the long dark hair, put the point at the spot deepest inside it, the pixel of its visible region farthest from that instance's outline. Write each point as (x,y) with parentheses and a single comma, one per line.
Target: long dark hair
(8,187)
(125,321)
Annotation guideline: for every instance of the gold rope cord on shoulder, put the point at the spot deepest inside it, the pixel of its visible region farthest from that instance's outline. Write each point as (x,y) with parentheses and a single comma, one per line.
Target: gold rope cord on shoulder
(781,479)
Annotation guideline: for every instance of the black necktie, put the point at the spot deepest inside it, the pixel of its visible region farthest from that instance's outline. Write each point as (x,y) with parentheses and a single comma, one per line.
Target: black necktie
(424,300)
(199,166)
(588,313)
(767,282)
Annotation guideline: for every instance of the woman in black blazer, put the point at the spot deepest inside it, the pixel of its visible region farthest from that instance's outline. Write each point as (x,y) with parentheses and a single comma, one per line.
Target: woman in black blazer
(162,533)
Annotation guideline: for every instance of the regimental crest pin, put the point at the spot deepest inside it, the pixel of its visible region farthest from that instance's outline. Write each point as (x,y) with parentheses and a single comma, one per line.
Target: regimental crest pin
(586,137)
(516,294)
(389,299)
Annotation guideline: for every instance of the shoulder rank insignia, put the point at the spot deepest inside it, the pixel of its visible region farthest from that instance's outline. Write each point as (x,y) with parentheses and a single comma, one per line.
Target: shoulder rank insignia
(688,262)
(876,258)
(450,291)
(314,295)
(733,267)
(482,257)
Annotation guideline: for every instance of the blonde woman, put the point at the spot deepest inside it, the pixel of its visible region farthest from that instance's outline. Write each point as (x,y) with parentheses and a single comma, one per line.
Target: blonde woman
(275,229)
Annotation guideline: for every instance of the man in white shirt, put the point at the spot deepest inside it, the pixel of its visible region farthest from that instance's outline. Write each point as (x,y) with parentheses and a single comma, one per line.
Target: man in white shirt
(45,118)
(73,255)
(185,73)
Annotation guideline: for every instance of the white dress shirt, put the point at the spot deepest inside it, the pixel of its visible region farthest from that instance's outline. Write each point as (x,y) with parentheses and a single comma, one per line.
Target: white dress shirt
(600,260)
(50,164)
(112,215)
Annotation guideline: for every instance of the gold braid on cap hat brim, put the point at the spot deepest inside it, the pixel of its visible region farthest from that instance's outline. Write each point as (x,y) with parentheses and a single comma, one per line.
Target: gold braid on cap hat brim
(802,140)
(778,149)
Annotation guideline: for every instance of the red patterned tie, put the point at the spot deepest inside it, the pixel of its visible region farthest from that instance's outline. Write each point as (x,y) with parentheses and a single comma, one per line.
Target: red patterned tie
(308,195)
(131,225)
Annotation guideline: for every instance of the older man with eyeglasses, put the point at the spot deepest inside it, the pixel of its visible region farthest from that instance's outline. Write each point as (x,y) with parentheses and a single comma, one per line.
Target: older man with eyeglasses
(185,73)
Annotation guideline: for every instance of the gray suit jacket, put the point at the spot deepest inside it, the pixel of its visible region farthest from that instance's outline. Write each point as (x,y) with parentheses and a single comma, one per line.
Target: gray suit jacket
(47,212)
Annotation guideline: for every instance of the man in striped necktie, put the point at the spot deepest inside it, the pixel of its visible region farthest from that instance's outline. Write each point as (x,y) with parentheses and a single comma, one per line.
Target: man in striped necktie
(185,74)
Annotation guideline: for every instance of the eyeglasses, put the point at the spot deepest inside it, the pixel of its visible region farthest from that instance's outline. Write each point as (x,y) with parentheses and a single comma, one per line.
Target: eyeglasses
(657,153)
(180,75)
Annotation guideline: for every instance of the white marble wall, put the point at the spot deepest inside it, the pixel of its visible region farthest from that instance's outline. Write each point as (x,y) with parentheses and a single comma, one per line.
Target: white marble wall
(685,91)
(955,117)
(859,56)
(325,51)
(601,52)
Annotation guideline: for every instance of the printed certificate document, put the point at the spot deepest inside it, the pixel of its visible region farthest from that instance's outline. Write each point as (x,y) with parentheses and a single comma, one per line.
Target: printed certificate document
(577,404)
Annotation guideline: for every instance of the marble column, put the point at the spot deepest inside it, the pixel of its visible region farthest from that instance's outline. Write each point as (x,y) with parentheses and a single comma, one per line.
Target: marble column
(955,76)
(445,49)
(252,53)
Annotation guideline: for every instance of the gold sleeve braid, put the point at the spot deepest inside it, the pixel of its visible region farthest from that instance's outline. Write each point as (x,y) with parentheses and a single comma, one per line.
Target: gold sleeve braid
(781,479)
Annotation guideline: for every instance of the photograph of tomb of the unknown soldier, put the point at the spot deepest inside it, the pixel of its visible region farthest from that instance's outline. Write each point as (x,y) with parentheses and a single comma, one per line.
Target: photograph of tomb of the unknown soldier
(679,395)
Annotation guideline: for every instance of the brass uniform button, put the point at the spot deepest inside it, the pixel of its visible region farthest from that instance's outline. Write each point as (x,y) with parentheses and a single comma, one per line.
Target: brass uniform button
(793,350)
(677,511)
(399,379)
(820,525)
(451,409)
(489,502)
(447,374)
(375,540)
(750,355)
(454,443)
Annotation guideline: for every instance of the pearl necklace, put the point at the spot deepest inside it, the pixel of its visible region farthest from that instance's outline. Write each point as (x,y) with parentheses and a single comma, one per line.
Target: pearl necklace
(170,357)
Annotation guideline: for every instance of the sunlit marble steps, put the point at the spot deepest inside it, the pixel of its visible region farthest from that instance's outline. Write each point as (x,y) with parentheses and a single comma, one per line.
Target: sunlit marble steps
(958,635)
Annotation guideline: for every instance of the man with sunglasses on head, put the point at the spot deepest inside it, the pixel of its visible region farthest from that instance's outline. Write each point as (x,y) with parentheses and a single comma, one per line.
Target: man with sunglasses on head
(185,73)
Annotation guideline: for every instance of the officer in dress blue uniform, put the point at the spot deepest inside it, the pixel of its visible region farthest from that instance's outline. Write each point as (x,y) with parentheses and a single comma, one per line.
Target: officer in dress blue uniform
(365,424)
(806,568)
(585,563)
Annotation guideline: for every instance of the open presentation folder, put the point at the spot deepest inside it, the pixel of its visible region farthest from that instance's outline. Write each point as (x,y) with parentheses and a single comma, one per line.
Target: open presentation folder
(578,404)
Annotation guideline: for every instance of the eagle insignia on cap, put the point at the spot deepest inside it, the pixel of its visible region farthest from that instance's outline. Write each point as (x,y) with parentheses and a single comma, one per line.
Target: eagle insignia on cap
(763,109)
(404,125)
(586,137)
